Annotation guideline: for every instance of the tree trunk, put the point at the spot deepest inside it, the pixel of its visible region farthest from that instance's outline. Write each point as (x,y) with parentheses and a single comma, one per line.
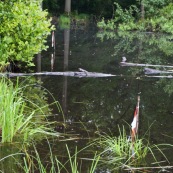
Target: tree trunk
(68,6)
(142,11)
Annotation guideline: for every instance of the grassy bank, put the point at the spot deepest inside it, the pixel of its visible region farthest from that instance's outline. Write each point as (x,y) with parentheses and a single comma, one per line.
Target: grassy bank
(17,121)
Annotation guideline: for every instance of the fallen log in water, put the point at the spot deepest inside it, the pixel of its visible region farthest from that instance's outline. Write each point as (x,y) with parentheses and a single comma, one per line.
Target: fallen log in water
(143,65)
(168,77)
(154,71)
(81,73)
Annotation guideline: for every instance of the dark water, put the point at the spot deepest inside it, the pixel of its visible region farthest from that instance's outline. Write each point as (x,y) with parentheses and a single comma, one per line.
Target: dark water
(105,103)
(92,104)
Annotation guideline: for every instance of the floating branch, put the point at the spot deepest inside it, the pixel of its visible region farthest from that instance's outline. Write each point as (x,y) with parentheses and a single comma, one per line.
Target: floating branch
(154,71)
(169,76)
(143,65)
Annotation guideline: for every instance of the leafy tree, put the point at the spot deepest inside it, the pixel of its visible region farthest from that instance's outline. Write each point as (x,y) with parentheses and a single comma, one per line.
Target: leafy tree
(156,16)
(23,30)
(152,7)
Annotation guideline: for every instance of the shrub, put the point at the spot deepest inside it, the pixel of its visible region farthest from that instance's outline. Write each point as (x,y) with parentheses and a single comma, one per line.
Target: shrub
(24,28)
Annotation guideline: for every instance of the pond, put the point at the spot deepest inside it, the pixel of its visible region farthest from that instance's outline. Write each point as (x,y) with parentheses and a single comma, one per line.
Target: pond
(103,104)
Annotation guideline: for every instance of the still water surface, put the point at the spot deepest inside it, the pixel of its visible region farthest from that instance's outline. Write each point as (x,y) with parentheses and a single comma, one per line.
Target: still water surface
(101,104)
(105,103)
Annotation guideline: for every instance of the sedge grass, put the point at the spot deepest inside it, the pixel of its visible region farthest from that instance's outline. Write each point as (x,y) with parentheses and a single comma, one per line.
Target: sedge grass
(35,164)
(120,152)
(15,122)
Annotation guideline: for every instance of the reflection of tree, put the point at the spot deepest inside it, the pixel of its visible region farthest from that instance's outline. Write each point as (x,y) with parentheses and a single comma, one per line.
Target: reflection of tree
(37,100)
(66,47)
(39,65)
(39,62)
(148,48)
(107,102)
(154,47)
(66,56)
(111,101)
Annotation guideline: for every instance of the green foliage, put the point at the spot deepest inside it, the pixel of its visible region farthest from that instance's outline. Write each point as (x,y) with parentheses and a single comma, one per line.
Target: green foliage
(80,19)
(102,24)
(125,15)
(23,30)
(161,22)
(74,19)
(109,25)
(156,20)
(121,151)
(152,7)
(64,21)
(120,17)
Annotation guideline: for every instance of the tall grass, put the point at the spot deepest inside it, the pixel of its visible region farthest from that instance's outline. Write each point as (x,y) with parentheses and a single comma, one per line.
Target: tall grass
(15,122)
(120,152)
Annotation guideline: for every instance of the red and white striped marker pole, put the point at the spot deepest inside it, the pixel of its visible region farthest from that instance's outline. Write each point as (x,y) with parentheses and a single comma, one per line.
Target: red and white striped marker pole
(134,125)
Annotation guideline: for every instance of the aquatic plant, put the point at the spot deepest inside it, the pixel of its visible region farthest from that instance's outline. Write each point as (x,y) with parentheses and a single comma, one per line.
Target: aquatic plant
(54,165)
(121,152)
(15,121)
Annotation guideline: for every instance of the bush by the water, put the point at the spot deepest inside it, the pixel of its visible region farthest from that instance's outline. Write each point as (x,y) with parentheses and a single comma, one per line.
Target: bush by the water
(24,28)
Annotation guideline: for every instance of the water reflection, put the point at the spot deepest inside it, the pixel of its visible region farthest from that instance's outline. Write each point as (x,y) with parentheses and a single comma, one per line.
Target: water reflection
(10,157)
(103,103)
(66,59)
(66,48)
(53,51)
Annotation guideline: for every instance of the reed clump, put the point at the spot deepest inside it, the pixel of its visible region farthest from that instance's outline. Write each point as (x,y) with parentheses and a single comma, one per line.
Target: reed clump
(34,163)
(119,152)
(15,122)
